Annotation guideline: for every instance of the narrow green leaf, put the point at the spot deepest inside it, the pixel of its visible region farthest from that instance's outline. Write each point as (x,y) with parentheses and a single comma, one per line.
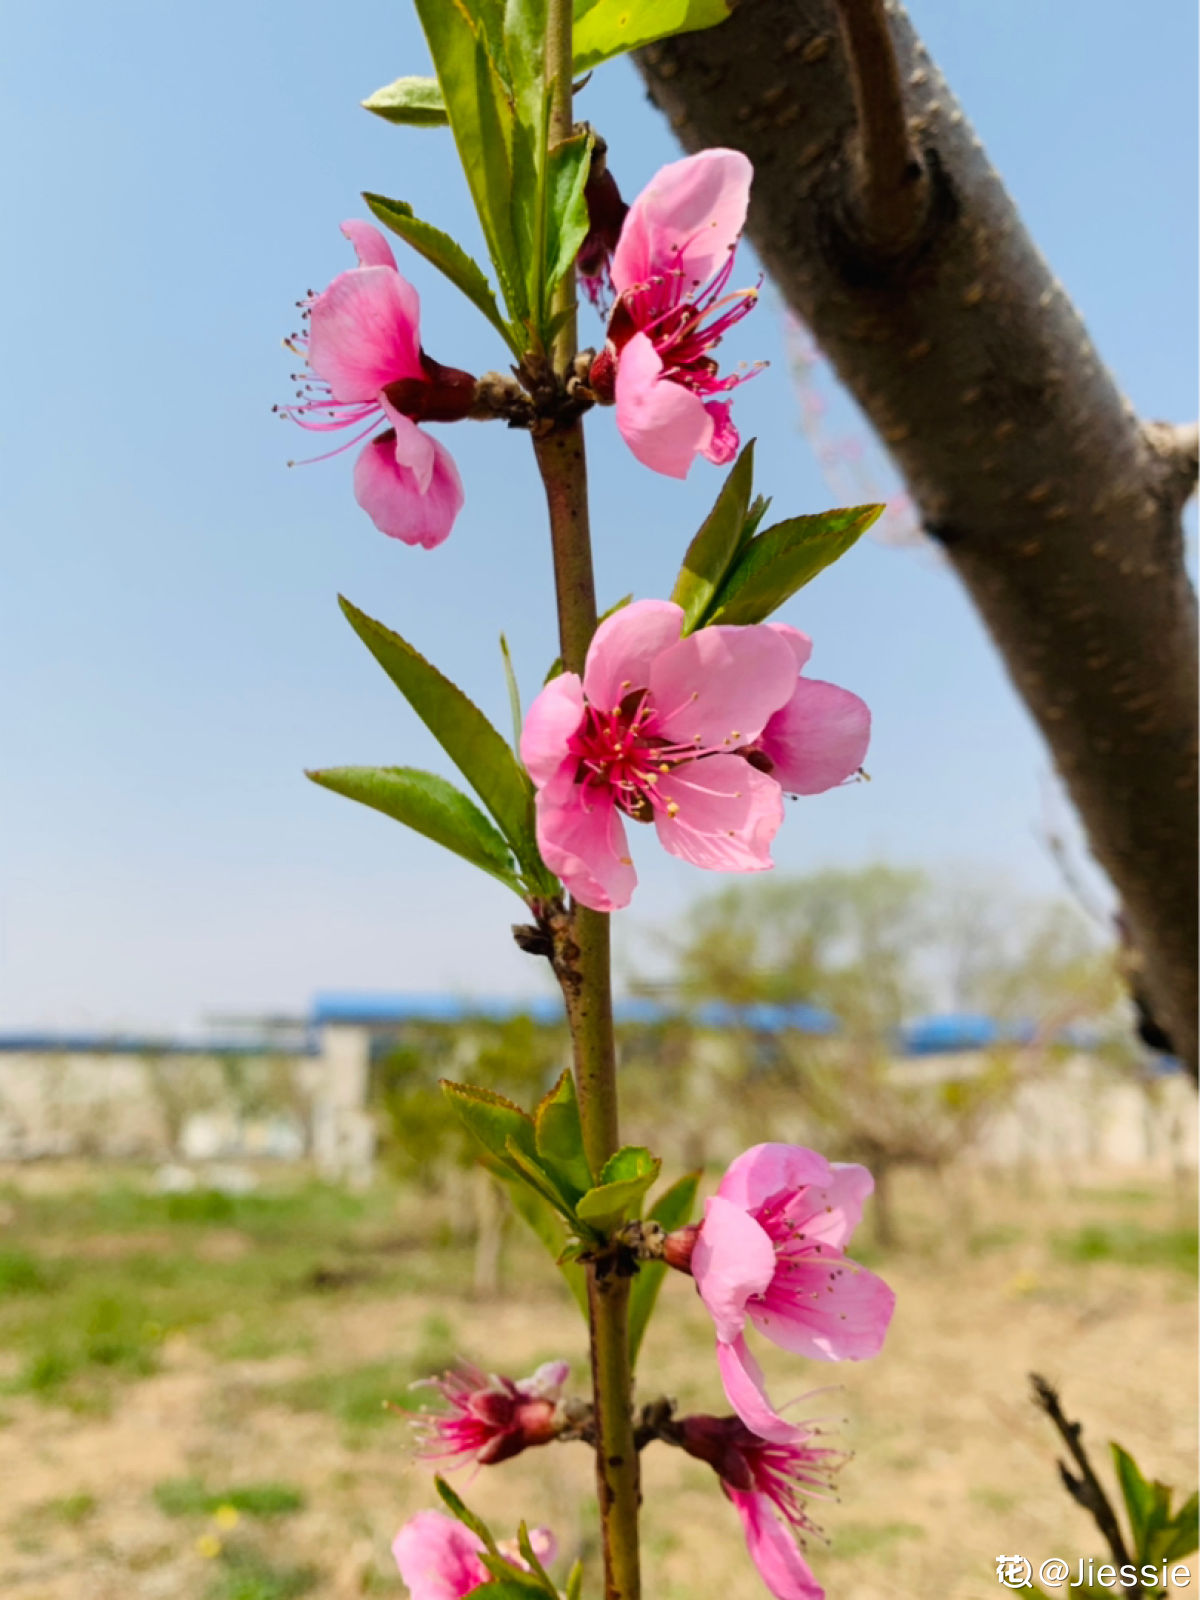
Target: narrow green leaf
(524,44)
(495,1121)
(673,1209)
(574,1589)
(413,102)
(608,28)
(514,692)
(430,806)
(447,255)
(533,1171)
(458,1509)
(712,552)
(568,165)
(463,732)
(784,558)
(513,1587)
(477,102)
(1138,1496)
(546,1222)
(559,1137)
(621,1186)
(530,1557)
(1182,1533)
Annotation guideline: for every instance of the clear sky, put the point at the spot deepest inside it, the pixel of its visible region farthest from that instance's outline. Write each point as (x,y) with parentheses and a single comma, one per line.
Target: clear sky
(172,653)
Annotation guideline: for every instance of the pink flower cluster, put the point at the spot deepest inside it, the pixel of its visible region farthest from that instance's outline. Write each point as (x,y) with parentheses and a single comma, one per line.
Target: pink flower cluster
(700,735)
(493,1418)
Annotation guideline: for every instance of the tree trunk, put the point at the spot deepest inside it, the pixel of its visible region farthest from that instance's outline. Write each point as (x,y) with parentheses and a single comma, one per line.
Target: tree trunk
(1058,509)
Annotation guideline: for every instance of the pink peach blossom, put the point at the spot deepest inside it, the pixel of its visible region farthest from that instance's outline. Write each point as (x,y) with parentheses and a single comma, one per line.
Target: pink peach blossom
(766,1481)
(770,1251)
(670,271)
(493,1418)
(363,350)
(439,1559)
(656,731)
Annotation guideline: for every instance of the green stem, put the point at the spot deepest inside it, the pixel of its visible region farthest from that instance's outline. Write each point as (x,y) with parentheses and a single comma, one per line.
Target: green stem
(582,957)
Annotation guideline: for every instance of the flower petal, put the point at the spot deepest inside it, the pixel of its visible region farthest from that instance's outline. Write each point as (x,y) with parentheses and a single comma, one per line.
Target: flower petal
(719,687)
(549,723)
(414,447)
(665,425)
(732,1261)
(623,647)
(371,248)
(826,1309)
(745,1389)
(686,220)
(582,839)
(364,333)
(818,739)
(766,1170)
(801,644)
(828,1211)
(725,441)
(388,493)
(438,1558)
(773,1549)
(727,814)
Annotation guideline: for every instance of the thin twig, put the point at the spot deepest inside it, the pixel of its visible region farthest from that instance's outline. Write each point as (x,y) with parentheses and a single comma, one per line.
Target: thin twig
(1086,1489)
(893,189)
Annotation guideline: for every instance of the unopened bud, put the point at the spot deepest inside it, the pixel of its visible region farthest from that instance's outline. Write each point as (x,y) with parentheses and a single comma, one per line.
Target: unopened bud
(440,394)
(678,1247)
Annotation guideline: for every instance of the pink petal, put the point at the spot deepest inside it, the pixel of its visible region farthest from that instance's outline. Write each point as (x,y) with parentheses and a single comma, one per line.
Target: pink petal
(388,493)
(371,248)
(364,332)
(414,448)
(800,643)
(725,441)
(827,1310)
(624,646)
(733,1260)
(546,1384)
(720,686)
(437,1557)
(766,1170)
(549,723)
(686,221)
(582,839)
(664,424)
(745,1389)
(773,1549)
(545,1545)
(818,739)
(728,814)
(830,1209)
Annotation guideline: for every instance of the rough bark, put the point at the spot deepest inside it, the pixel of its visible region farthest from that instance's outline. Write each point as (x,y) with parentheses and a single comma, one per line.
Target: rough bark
(1059,510)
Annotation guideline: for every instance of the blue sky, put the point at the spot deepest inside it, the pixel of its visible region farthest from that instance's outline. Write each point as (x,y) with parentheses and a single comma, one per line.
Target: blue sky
(172,653)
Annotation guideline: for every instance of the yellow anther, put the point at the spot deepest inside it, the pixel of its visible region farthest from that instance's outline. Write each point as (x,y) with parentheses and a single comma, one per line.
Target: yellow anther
(672,808)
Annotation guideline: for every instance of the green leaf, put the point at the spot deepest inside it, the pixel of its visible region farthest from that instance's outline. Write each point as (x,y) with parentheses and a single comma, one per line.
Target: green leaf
(607,28)
(514,692)
(574,1588)
(546,1222)
(559,1137)
(413,102)
(463,732)
(567,170)
(776,563)
(458,1509)
(491,1118)
(712,552)
(1182,1534)
(447,256)
(532,1170)
(620,1187)
(530,1557)
(1138,1495)
(514,1587)
(673,1209)
(466,46)
(428,805)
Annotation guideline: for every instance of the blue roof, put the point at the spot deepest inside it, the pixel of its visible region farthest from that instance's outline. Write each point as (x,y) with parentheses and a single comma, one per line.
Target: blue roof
(139,1044)
(374,1008)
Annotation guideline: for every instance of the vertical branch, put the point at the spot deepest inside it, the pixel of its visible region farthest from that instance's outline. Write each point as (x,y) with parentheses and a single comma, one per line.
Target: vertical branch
(582,957)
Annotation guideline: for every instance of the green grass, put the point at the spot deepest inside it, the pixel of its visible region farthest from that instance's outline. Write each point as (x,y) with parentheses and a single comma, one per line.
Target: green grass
(70,1510)
(1129,1244)
(359,1397)
(864,1538)
(246,1574)
(22,1273)
(190,1497)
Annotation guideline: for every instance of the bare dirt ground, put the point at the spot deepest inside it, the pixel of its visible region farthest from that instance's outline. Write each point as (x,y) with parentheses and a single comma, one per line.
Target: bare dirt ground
(240,1452)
